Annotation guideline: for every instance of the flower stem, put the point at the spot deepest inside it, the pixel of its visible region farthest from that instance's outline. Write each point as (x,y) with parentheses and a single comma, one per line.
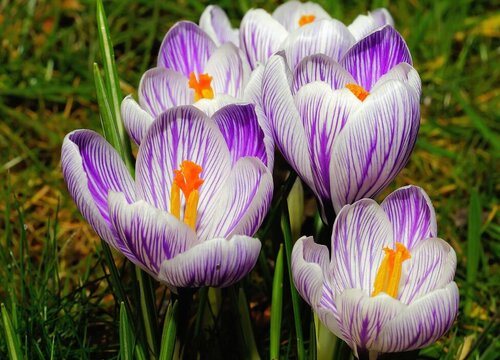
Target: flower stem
(287,234)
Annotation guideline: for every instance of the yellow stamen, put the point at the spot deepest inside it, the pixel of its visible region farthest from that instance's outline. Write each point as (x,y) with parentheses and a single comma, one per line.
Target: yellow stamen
(191,206)
(175,201)
(306,19)
(389,272)
(358,91)
(186,179)
(201,86)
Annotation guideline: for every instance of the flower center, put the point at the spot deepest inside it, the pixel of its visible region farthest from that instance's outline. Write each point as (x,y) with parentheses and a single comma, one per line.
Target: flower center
(306,19)
(201,86)
(186,179)
(358,91)
(389,272)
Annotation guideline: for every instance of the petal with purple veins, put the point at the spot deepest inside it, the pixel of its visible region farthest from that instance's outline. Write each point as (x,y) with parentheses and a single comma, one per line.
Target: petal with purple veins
(152,235)
(431,266)
(260,36)
(411,214)
(216,262)
(160,89)
(329,37)
(320,67)
(360,233)
(283,117)
(242,202)
(402,72)
(135,119)
(186,48)
(229,70)
(91,169)
(421,323)
(240,128)
(181,133)
(309,268)
(215,23)
(363,317)
(375,55)
(375,144)
(324,113)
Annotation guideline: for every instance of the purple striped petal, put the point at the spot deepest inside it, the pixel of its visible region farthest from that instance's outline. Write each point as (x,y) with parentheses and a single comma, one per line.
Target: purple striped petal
(320,67)
(241,203)
(360,233)
(160,89)
(375,55)
(432,266)
(309,268)
(260,36)
(186,48)
(91,169)
(363,317)
(151,235)
(402,72)
(329,37)
(411,214)
(216,24)
(289,13)
(229,69)
(181,133)
(240,128)
(283,117)
(253,95)
(324,113)
(135,119)
(365,24)
(421,323)
(216,262)
(375,144)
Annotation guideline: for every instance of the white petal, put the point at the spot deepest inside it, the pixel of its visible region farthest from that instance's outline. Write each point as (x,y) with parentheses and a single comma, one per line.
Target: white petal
(136,120)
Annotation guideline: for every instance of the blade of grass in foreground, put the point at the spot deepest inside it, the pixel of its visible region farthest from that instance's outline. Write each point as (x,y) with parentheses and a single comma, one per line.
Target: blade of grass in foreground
(13,343)
(126,337)
(287,234)
(119,140)
(276,307)
(169,333)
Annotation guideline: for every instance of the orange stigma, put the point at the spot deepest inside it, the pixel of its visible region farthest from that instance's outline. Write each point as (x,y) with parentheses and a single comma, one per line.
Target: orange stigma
(201,86)
(187,180)
(306,19)
(389,272)
(358,91)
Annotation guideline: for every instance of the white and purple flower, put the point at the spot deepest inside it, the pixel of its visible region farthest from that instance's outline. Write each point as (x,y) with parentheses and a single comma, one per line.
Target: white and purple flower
(216,24)
(201,190)
(388,284)
(348,127)
(263,34)
(191,67)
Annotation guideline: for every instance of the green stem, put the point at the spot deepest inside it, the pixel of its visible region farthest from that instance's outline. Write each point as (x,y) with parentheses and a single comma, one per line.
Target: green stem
(276,307)
(148,309)
(287,233)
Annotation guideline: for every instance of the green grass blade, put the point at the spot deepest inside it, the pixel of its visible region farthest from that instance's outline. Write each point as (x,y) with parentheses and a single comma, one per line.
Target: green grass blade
(126,338)
(12,339)
(111,75)
(148,309)
(473,245)
(169,333)
(246,325)
(287,233)
(276,307)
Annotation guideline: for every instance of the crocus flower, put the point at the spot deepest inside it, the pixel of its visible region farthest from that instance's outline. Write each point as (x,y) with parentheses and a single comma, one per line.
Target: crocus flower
(346,128)
(216,24)
(190,68)
(388,284)
(201,190)
(262,34)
